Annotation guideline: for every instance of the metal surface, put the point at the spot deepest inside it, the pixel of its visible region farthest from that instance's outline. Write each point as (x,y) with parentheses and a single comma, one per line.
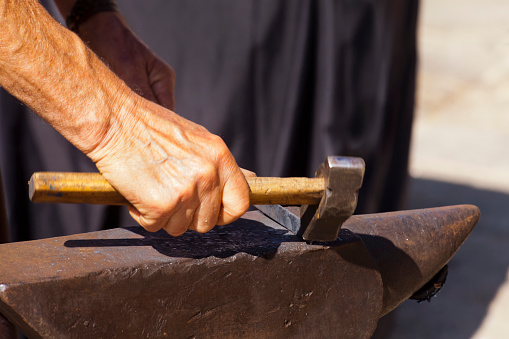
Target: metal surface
(282,216)
(248,279)
(412,247)
(343,178)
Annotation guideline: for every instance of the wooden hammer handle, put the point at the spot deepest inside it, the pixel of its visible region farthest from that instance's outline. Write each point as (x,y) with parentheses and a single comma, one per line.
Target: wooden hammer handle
(92,188)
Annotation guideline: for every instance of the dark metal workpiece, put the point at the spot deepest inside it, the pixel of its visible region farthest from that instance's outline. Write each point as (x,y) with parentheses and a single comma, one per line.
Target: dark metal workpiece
(282,216)
(249,279)
(343,178)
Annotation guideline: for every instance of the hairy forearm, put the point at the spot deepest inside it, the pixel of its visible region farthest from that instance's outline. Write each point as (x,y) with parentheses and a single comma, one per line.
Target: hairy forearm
(175,174)
(52,71)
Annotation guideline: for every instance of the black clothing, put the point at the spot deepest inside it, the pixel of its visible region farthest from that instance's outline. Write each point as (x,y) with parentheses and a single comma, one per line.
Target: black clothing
(285,83)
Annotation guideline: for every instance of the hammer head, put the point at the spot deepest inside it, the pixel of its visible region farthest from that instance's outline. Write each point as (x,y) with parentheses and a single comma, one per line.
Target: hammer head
(343,179)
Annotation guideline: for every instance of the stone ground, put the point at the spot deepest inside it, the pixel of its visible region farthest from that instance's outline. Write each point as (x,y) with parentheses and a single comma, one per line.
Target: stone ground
(460,155)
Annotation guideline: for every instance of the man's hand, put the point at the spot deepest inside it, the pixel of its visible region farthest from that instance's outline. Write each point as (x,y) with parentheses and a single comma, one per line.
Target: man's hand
(109,36)
(175,173)
(185,182)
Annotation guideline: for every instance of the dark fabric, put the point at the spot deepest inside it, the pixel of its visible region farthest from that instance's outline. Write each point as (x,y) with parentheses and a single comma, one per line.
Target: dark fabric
(285,83)
(4,234)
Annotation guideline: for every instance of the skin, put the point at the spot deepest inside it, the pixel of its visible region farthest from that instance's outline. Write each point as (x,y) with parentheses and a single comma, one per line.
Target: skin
(109,36)
(175,174)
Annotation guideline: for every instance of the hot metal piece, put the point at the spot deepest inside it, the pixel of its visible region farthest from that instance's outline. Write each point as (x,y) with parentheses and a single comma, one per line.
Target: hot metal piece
(248,279)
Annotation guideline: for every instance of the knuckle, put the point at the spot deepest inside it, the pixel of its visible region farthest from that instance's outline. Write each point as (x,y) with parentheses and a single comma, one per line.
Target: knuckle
(175,231)
(217,147)
(161,208)
(184,196)
(165,70)
(204,223)
(207,171)
(206,179)
(149,225)
(172,75)
(219,144)
(208,219)
(152,227)
(204,228)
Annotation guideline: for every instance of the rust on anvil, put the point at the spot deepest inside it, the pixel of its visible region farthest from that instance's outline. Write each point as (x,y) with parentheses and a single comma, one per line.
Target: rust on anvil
(248,279)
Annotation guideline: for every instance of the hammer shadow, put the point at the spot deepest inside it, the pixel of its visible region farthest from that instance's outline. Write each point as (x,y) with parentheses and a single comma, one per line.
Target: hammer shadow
(248,236)
(243,236)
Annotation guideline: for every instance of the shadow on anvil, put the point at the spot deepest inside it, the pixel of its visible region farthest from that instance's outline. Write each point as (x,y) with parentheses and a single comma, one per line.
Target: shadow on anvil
(251,237)
(244,236)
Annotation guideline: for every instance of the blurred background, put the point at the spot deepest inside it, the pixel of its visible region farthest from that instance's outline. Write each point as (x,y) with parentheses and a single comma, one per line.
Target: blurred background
(460,155)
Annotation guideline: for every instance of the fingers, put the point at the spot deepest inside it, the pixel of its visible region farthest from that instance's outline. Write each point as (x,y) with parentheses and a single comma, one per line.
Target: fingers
(179,221)
(235,199)
(162,82)
(175,220)
(196,206)
(248,173)
(207,206)
(207,213)
(156,85)
(201,218)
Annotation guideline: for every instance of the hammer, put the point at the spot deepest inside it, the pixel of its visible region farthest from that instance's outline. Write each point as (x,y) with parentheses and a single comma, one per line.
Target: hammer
(327,200)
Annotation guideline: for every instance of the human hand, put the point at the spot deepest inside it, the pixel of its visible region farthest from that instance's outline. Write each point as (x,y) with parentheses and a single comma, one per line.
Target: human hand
(191,188)
(175,173)
(109,36)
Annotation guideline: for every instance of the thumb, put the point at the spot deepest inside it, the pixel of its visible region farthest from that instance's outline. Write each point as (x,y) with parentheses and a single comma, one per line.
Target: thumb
(235,199)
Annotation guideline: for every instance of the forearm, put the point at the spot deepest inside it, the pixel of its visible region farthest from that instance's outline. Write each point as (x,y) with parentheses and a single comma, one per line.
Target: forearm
(175,173)
(52,71)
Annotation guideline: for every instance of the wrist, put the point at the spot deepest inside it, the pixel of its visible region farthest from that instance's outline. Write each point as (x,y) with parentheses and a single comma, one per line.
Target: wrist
(115,122)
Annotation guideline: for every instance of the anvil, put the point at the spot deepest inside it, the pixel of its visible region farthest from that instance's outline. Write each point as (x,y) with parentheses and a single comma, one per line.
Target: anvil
(250,279)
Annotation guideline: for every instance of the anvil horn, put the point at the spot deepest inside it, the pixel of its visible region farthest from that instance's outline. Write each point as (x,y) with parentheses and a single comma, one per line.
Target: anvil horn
(249,279)
(409,248)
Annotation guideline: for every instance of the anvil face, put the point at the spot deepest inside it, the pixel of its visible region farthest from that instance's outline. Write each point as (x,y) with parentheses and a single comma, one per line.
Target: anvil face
(248,279)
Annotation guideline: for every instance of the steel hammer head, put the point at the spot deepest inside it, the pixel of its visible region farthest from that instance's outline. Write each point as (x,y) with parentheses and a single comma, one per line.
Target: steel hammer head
(342,178)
